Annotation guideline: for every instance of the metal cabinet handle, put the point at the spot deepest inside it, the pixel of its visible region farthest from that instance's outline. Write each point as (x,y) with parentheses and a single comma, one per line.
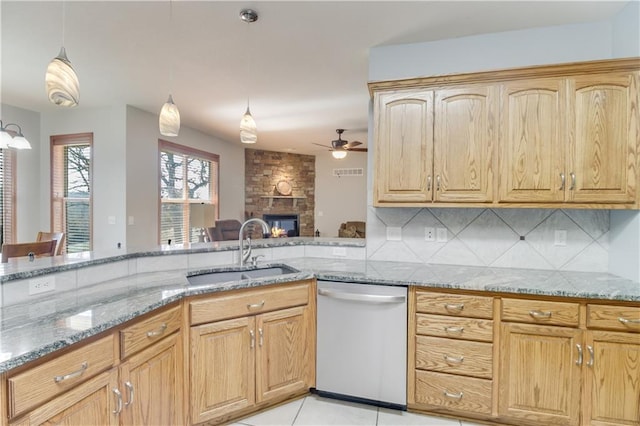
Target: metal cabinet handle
(579,360)
(438,183)
(118,395)
(261,336)
(158,332)
(72,375)
(429,183)
(626,321)
(591,356)
(453,359)
(539,314)
(457,330)
(357,297)
(129,387)
(454,307)
(573,181)
(457,396)
(256,305)
(253,339)
(563,181)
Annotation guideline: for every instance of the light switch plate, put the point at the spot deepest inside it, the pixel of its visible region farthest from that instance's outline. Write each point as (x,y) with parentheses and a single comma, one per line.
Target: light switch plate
(560,238)
(441,235)
(339,251)
(394,233)
(429,234)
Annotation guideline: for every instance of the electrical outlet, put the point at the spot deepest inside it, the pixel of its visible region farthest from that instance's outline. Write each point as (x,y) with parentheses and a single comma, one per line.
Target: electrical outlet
(41,285)
(394,233)
(441,235)
(429,234)
(339,251)
(560,237)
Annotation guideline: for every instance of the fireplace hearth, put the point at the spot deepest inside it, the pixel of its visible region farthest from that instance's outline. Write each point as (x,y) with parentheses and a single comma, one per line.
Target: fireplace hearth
(288,223)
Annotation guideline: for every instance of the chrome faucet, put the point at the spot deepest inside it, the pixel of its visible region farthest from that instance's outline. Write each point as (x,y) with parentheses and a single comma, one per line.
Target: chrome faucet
(243,257)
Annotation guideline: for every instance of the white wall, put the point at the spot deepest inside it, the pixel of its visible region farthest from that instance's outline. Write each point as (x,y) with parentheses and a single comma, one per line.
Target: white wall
(27,173)
(142,174)
(492,237)
(109,167)
(339,199)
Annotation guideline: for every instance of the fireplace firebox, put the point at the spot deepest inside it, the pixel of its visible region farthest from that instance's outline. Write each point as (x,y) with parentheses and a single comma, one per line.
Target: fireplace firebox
(287,222)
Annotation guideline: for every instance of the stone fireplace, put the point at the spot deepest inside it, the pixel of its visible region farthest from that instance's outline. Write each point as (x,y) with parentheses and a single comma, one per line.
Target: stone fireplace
(264,170)
(289,223)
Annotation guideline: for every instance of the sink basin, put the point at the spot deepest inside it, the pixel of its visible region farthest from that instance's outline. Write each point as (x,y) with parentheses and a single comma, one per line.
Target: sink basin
(226,276)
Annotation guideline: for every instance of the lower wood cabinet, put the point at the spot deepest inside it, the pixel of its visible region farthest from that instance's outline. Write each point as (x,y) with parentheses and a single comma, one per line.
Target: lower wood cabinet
(246,363)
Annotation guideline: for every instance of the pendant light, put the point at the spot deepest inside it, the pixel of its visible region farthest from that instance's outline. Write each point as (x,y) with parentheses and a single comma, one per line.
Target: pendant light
(248,129)
(61,80)
(169,120)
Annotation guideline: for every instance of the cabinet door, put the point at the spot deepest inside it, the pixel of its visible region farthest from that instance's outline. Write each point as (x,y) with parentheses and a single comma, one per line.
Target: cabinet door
(540,379)
(151,384)
(285,356)
(533,141)
(403,132)
(612,378)
(222,368)
(90,403)
(464,143)
(603,129)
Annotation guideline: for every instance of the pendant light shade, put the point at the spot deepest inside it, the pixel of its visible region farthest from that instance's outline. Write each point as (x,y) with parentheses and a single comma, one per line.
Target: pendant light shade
(5,139)
(169,119)
(339,154)
(248,129)
(61,80)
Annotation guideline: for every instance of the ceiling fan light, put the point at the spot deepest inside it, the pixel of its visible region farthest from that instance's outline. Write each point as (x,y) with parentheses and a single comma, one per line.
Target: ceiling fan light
(61,81)
(339,154)
(169,120)
(248,129)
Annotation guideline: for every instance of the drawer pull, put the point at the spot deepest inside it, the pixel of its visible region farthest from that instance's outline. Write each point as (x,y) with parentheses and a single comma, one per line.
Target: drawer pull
(457,307)
(261,336)
(591,356)
(539,314)
(129,387)
(626,321)
(118,396)
(252,336)
(72,375)
(158,332)
(453,359)
(457,396)
(563,181)
(429,183)
(255,306)
(457,330)
(573,181)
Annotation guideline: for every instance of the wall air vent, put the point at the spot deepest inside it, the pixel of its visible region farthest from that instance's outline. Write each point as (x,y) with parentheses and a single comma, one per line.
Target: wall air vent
(348,172)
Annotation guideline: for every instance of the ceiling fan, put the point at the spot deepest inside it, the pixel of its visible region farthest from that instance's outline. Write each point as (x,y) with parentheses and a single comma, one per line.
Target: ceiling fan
(341,146)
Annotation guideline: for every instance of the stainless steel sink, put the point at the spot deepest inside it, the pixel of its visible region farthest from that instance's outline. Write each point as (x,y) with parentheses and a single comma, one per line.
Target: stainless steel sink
(216,277)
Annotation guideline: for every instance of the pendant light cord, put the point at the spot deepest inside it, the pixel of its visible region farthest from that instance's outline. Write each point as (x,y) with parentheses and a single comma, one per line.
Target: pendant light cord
(63,21)
(250,50)
(170,41)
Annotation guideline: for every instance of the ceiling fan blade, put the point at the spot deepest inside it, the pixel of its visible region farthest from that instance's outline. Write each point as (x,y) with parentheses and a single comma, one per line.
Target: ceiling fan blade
(358,149)
(353,144)
(324,146)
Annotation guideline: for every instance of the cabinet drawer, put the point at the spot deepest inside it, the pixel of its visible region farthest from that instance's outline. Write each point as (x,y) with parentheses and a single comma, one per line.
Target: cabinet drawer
(613,317)
(40,383)
(455,327)
(454,356)
(248,302)
(540,312)
(144,333)
(453,392)
(454,304)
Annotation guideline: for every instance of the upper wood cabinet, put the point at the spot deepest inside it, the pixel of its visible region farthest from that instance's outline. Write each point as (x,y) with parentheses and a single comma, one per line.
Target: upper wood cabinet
(404,146)
(550,136)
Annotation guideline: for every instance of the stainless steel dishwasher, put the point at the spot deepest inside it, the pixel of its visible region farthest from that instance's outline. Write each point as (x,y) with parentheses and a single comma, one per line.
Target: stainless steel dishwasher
(362,343)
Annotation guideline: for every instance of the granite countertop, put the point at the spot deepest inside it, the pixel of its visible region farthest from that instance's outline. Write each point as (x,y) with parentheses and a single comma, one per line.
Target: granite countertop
(31,330)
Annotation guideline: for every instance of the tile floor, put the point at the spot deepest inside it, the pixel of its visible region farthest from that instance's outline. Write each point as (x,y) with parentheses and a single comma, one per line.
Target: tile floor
(315,410)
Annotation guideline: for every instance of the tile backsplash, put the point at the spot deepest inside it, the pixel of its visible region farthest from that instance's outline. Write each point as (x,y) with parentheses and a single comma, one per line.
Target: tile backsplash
(509,238)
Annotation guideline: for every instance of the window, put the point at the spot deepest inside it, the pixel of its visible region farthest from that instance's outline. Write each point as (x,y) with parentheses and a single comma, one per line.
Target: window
(71,182)
(7,196)
(187,176)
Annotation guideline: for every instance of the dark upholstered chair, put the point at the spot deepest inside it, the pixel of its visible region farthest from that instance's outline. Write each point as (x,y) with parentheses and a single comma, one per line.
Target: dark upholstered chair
(224,230)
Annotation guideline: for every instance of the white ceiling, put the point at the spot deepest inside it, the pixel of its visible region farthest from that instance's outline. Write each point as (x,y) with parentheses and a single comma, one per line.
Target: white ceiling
(309,59)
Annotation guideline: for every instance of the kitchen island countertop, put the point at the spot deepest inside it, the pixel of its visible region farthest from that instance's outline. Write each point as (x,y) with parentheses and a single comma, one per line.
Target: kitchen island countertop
(36,328)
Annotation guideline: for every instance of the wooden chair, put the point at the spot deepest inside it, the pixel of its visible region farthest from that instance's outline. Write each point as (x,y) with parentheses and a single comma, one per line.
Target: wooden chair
(39,248)
(58,237)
